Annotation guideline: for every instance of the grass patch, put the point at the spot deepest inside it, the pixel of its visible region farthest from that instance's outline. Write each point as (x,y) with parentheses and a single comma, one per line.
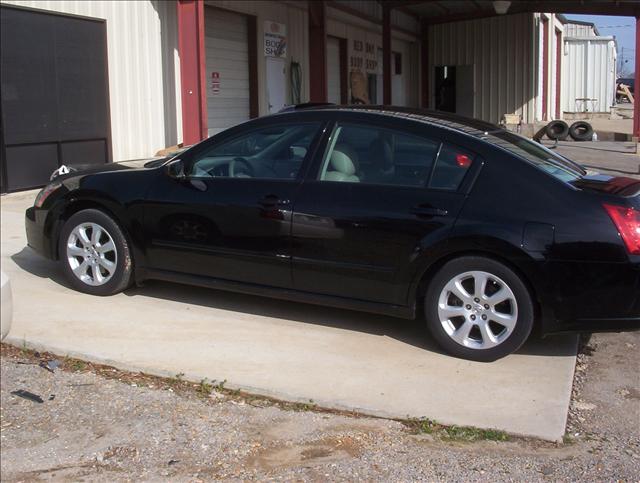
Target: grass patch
(454,433)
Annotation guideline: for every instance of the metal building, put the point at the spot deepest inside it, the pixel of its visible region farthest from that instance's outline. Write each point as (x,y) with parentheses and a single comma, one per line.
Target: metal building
(589,83)
(177,71)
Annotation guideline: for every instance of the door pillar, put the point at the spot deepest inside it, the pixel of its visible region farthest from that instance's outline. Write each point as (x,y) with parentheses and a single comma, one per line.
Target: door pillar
(317,51)
(386,54)
(424,64)
(192,70)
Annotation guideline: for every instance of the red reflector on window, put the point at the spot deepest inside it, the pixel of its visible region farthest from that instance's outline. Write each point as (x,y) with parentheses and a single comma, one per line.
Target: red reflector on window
(627,221)
(463,160)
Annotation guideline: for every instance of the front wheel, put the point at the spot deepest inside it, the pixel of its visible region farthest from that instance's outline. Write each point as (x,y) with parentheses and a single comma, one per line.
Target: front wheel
(95,254)
(478,309)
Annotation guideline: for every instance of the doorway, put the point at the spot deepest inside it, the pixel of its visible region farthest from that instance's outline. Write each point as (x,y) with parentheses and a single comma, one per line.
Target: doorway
(454,89)
(276,84)
(445,88)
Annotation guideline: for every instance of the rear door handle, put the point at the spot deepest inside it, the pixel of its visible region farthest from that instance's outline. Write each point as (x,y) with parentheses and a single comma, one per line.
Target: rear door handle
(422,210)
(271,201)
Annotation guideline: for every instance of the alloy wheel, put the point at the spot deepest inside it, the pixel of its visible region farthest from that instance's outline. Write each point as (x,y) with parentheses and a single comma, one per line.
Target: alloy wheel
(91,254)
(478,310)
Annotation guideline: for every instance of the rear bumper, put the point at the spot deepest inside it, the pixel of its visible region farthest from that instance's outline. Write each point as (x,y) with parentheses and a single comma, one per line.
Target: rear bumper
(592,297)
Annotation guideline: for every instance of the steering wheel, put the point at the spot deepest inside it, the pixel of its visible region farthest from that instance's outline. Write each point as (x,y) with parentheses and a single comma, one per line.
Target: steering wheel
(246,173)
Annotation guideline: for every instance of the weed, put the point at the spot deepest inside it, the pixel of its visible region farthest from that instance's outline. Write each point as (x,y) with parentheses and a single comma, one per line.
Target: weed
(310,406)
(204,388)
(78,365)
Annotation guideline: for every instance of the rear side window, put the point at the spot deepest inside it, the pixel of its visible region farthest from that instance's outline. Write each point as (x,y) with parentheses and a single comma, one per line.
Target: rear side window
(451,167)
(375,155)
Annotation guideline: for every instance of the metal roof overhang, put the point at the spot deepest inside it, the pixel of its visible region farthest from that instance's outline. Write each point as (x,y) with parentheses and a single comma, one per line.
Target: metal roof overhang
(443,11)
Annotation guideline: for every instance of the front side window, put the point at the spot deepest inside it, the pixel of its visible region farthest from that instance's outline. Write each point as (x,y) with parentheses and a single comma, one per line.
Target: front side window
(366,154)
(276,152)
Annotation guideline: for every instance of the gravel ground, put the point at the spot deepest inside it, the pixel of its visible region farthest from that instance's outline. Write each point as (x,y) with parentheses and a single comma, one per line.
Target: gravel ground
(100,424)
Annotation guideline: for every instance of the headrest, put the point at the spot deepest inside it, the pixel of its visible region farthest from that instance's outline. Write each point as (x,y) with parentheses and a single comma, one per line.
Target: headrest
(342,162)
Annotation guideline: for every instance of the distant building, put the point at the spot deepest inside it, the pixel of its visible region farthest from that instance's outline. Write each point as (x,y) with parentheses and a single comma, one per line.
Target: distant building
(589,83)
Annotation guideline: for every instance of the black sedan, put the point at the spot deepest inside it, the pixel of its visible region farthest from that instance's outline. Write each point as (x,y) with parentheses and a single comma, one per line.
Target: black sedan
(394,211)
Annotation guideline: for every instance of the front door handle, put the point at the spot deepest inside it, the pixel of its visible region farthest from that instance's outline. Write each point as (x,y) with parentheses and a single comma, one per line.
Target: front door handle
(427,210)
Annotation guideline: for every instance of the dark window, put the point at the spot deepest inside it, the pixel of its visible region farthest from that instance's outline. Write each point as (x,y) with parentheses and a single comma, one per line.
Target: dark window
(275,152)
(538,155)
(365,154)
(397,63)
(451,167)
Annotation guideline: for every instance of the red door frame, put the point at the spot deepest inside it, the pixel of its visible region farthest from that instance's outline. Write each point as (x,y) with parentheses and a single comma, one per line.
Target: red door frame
(558,71)
(636,104)
(192,70)
(317,52)
(545,67)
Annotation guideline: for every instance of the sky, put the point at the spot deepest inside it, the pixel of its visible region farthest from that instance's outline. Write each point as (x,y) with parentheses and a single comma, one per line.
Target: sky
(622,28)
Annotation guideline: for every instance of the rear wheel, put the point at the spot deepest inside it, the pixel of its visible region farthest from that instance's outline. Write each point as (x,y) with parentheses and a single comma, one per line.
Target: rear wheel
(478,309)
(95,254)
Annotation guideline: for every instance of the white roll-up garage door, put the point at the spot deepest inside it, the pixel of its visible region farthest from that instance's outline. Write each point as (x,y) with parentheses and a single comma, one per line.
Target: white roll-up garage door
(227,76)
(333,70)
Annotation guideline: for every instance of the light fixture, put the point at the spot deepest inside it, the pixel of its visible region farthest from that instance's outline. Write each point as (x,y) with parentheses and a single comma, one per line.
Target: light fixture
(501,6)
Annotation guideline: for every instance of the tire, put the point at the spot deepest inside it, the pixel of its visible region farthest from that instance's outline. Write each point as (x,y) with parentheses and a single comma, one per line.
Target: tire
(479,337)
(557,130)
(93,238)
(581,131)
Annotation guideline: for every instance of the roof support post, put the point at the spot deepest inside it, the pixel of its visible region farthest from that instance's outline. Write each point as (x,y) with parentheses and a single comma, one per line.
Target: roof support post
(386,54)
(192,70)
(424,63)
(317,51)
(636,94)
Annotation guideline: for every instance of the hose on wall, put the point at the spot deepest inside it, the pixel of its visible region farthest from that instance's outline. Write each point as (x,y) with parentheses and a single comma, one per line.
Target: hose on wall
(295,74)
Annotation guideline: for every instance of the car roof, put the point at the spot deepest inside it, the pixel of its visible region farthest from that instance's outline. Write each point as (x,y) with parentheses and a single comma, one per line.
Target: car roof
(465,125)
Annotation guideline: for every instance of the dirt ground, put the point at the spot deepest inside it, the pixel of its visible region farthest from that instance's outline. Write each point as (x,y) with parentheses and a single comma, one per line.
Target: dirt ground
(99,424)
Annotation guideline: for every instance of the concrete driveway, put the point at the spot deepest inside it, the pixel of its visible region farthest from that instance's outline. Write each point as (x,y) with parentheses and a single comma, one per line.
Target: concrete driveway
(337,358)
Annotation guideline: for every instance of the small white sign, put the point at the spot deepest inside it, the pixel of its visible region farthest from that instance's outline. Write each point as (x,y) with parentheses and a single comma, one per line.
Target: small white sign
(275,39)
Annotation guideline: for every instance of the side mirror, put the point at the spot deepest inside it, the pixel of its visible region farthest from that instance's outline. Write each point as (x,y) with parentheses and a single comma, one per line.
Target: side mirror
(175,170)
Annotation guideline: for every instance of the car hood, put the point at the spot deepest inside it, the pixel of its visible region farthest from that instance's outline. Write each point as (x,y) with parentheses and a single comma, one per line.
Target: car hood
(84,169)
(613,185)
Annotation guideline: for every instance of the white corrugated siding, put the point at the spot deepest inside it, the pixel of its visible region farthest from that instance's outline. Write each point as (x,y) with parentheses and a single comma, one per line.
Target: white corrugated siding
(144,78)
(227,53)
(589,71)
(373,9)
(578,30)
(501,50)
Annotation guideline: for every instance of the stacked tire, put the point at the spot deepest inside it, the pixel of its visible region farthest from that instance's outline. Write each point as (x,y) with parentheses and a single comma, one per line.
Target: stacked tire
(560,130)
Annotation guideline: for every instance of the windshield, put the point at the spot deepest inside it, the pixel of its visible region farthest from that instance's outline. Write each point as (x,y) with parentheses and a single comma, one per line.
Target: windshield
(537,154)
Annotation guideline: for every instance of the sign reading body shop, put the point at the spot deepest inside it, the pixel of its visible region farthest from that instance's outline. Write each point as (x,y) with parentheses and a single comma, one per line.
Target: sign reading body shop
(275,39)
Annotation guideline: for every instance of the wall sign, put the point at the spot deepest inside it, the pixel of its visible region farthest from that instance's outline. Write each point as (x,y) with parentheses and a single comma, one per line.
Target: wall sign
(364,57)
(275,39)
(215,83)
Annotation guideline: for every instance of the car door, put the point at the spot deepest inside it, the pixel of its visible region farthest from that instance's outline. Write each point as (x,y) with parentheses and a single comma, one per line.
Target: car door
(229,216)
(373,201)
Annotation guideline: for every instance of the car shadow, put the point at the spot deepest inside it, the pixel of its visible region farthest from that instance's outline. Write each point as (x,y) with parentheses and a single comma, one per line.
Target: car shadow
(31,262)
(411,332)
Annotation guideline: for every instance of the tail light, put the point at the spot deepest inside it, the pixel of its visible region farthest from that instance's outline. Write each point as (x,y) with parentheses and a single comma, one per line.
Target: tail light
(627,221)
